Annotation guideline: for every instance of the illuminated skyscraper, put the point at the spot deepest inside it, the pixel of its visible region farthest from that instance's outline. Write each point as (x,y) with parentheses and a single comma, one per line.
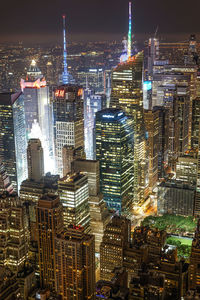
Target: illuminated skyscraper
(92,104)
(74,196)
(116,237)
(35,160)
(49,223)
(7,139)
(68,121)
(75,264)
(38,112)
(114,150)
(152,126)
(13,231)
(127,94)
(20,137)
(99,215)
(195,123)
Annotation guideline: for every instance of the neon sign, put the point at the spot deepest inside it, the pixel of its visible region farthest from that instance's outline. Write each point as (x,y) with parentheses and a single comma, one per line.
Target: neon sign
(80,92)
(60,93)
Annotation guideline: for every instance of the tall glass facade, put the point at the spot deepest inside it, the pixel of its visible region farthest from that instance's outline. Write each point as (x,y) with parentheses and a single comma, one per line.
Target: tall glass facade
(20,137)
(114,150)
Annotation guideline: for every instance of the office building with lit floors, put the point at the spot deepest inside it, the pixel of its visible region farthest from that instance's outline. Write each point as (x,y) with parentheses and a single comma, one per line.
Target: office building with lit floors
(49,221)
(68,121)
(13,231)
(75,264)
(152,126)
(7,139)
(194,267)
(127,94)
(117,236)
(114,150)
(74,196)
(99,214)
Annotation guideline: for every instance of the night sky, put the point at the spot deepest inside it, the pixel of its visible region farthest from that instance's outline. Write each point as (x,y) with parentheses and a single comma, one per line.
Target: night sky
(40,20)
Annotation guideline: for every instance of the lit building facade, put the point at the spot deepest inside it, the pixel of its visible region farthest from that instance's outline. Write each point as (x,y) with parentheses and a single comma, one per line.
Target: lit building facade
(186,168)
(127,94)
(35,160)
(194,267)
(49,223)
(38,112)
(151,118)
(114,150)
(116,238)
(99,215)
(20,137)
(75,264)
(14,232)
(68,121)
(92,104)
(195,123)
(7,139)
(74,196)
(176,197)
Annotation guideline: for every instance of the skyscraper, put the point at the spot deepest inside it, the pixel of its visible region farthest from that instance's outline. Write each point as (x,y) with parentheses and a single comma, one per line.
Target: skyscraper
(38,112)
(68,121)
(75,264)
(194,267)
(20,137)
(74,196)
(116,238)
(99,215)
(152,126)
(7,139)
(13,231)
(92,104)
(35,160)
(114,150)
(49,223)
(126,94)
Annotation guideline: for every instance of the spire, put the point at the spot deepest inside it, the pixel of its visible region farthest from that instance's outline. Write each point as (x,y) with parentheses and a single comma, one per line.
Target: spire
(65,75)
(129,33)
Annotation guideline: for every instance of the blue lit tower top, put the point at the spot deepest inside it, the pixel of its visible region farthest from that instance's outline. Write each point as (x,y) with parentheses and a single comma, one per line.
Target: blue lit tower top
(129,33)
(65,74)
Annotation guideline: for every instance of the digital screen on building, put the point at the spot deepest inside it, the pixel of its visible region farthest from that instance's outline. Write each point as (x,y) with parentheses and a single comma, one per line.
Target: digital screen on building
(147,85)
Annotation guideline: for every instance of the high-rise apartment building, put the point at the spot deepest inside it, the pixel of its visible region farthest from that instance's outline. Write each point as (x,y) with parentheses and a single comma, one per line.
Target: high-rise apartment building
(115,152)
(74,196)
(68,121)
(75,264)
(35,160)
(49,223)
(13,231)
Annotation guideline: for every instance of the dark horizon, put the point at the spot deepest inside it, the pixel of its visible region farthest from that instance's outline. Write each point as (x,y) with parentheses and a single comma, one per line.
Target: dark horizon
(41,22)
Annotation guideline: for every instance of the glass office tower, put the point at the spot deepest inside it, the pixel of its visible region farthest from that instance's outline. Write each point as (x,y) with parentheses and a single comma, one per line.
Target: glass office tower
(114,150)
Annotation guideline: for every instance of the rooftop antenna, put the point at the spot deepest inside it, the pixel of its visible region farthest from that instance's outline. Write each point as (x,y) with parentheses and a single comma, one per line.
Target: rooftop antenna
(129,32)
(65,74)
